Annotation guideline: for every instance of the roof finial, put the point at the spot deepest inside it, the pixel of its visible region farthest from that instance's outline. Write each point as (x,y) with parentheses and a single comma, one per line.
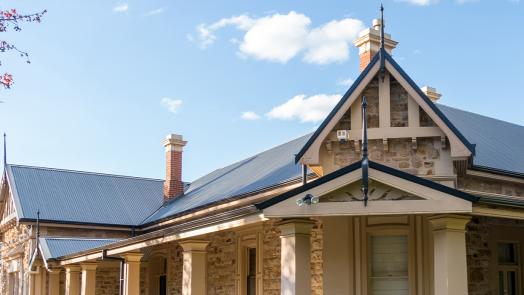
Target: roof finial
(365,161)
(382,25)
(382,73)
(5,150)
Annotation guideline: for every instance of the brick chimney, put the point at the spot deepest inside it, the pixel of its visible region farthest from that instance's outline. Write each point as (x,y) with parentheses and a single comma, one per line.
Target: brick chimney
(431,93)
(173,185)
(368,43)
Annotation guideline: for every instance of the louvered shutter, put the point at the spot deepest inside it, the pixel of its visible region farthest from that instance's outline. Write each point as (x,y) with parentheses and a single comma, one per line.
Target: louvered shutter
(389,265)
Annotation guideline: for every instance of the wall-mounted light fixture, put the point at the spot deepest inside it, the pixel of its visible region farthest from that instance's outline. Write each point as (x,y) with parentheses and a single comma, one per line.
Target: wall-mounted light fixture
(308,200)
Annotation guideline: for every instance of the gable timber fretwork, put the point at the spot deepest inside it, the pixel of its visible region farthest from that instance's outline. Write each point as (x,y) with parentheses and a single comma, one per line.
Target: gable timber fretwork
(398,110)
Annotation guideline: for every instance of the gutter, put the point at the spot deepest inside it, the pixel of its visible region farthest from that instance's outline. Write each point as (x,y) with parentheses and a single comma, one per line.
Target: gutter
(186,226)
(497,171)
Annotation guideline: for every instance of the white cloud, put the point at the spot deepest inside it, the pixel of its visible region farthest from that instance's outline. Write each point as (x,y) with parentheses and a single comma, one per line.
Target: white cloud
(420,2)
(155,12)
(329,43)
(307,109)
(122,7)
(277,37)
(206,33)
(346,82)
(281,37)
(173,105)
(250,116)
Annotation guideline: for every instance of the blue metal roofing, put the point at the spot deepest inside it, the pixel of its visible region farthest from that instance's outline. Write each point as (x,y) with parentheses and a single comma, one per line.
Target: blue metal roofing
(57,247)
(499,144)
(269,168)
(83,197)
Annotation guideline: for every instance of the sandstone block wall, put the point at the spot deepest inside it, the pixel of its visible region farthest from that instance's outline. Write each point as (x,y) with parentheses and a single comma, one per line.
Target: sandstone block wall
(400,155)
(481,255)
(482,184)
(16,242)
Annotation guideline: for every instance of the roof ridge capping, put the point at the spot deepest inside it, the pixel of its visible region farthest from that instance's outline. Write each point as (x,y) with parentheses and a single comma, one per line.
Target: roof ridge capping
(82,172)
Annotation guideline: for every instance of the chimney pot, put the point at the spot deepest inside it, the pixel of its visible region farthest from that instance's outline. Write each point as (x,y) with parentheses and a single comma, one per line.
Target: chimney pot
(173,185)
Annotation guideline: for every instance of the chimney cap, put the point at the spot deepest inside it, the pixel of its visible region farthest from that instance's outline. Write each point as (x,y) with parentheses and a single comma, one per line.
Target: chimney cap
(174,140)
(431,92)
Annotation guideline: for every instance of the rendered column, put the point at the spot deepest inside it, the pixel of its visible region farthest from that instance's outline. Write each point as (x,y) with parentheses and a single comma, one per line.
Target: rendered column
(72,283)
(88,278)
(35,282)
(449,246)
(54,282)
(194,268)
(295,254)
(132,273)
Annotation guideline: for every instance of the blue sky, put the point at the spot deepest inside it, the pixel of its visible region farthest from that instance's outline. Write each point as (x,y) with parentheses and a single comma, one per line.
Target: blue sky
(109,79)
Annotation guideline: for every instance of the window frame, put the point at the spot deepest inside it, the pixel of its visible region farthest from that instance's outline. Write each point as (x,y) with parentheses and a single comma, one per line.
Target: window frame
(506,268)
(390,230)
(249,239)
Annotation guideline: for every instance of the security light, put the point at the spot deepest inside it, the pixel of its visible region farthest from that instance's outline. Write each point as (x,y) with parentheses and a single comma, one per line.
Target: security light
(308,200)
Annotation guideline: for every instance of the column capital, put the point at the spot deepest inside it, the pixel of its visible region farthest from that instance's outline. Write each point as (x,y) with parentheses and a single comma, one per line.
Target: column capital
(132,256)
(54,270)
(89,265)
(73,268)
(194,245)
(449,222)
(295,226)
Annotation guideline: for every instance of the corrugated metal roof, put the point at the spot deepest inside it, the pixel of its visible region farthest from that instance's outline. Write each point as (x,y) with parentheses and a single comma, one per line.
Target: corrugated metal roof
(73,196)
(266,169)
(499,144)
(57,247)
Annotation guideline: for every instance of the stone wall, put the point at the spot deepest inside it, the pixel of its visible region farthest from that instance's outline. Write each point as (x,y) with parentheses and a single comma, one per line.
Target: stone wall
(16,248)
(174,270)
(271,256)
(107,280)
(487,185)
(221,263)
(271,252)
(398,105)
(400,155)
(372,110)
(480,254)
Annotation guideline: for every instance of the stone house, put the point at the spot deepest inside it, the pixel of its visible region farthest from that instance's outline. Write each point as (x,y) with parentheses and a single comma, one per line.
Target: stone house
(443,211)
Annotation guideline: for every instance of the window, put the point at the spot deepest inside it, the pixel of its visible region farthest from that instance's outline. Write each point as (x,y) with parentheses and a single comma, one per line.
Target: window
(508,268)
(162,279)
(251,271)
(388,273)
(13,283)
(158,275)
